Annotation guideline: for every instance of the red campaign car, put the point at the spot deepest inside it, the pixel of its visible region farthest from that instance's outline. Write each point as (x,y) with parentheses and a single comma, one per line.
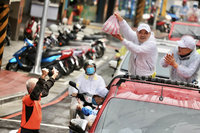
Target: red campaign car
(178,29)
(149,105)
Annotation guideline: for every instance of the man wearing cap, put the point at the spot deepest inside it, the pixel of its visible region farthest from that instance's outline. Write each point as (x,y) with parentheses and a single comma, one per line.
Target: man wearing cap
(142,46)
(183,10)
(184,60)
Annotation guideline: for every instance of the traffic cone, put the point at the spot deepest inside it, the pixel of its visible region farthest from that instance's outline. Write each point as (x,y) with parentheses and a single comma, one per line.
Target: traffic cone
(70,18)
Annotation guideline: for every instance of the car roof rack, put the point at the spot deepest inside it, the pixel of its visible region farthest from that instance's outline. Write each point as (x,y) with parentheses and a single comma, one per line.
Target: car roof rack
(155,81)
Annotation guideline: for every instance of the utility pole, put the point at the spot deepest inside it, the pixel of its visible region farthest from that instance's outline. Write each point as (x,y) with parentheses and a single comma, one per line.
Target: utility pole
(164,6)
(139,12)
(101,10)
(111,6)
(4,9)
(37,68)
(156,14)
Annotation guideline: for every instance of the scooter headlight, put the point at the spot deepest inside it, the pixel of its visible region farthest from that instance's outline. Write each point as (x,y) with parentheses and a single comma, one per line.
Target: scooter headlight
(168,17)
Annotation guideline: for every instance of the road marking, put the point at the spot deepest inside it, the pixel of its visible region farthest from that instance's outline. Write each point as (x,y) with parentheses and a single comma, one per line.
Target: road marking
(42,124)
(60,98)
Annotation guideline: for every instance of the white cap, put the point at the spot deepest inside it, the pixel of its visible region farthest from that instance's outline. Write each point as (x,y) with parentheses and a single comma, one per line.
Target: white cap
(144,26)
(187,42)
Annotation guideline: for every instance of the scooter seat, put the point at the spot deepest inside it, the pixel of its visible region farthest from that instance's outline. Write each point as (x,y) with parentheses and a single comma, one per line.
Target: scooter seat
(50,53)
(92,37)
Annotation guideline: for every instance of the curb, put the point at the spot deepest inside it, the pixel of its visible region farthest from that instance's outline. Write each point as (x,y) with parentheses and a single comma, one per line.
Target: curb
(11,98)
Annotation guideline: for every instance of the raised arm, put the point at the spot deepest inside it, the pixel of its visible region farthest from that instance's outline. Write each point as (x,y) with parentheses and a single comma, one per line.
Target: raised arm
(42,85)
(49,83)
(125,29)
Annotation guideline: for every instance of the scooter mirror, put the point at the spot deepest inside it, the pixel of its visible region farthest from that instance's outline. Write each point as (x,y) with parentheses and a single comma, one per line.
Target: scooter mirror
(116,50)
(73,84)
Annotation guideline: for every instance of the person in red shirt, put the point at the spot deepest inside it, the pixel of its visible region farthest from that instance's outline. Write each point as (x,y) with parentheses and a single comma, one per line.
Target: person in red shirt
(31,109)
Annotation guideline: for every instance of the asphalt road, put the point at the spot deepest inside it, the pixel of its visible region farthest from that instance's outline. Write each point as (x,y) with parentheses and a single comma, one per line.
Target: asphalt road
(56,117)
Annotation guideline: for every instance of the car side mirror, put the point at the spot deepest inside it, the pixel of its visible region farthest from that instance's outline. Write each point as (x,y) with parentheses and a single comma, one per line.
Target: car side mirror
(116,50)
(113,64)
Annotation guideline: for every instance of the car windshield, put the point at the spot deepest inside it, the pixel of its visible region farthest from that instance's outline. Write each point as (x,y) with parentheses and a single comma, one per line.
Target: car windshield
(180,30)
(129,116)
(160,71)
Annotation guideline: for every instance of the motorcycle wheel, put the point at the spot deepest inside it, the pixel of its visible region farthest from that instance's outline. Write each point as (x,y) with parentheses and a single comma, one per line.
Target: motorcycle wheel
(77,66)
(99,49)
(70,64)
(81,62)
(12,67)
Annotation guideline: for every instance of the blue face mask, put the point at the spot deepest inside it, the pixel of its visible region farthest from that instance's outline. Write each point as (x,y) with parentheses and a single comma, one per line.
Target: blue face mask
(94,102)
(90,70)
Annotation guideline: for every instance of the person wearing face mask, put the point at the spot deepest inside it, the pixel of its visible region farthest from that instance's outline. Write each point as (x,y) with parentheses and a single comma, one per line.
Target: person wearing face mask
(89,83)
(141,44)
(184,61)
(193,13)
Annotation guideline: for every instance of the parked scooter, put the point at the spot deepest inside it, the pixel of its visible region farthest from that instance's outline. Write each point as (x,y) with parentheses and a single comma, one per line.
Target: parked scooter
(25,59)
(68,37)
(65,63)
(77,28)
(98,45)
(80,58)
(88,50)
(32,29)
(63,39)
(163,25)
(51,41)
(98,40)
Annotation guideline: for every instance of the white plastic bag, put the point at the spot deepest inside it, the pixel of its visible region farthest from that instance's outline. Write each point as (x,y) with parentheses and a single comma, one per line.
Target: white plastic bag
(111,26)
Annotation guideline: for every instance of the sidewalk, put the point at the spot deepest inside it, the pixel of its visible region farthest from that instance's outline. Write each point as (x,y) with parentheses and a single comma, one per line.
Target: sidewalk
(12,83)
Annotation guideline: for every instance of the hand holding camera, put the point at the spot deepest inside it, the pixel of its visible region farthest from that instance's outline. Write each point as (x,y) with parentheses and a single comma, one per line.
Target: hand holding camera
(45,72)
(55,73)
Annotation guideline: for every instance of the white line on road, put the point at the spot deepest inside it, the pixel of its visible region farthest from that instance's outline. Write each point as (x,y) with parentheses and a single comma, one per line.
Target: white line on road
(42,124)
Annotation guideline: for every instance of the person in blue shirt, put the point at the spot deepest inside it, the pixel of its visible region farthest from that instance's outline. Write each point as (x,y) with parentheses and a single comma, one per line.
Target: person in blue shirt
(183,11)
(96,101)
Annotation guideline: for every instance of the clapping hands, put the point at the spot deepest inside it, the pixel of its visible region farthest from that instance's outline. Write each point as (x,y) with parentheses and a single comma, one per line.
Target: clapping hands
(169,59)
(45,72)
